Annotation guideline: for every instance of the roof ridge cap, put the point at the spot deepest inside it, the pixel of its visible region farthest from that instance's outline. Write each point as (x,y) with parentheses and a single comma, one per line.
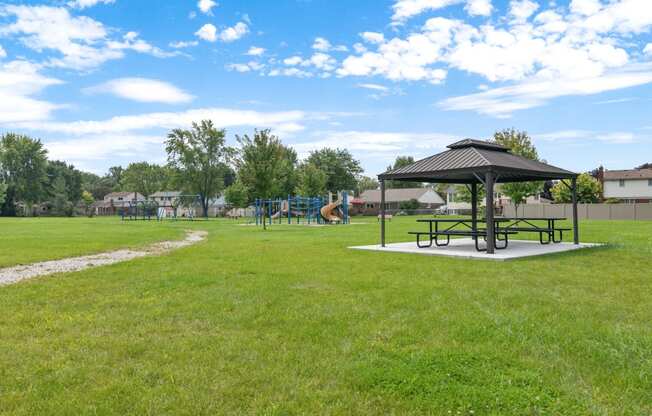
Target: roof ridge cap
(477,151)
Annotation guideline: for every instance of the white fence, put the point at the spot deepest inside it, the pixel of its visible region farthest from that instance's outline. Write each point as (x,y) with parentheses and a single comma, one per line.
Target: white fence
(584,211)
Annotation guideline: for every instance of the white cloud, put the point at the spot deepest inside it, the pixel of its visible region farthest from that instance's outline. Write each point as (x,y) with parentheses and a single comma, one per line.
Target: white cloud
(82,4)
(206,6)
(222,117)
(585,7)
(589,136)
(98,147)
(406,9)
(502,101)
(255,51)
(375,87)
(521,10)
(321,44)
(648,49)
(478,7)
(183,44)
(373,142)
(245,67)
(373,37)
(81,42)
(3,53)
(234,33)
(293,61)
(208,32)
(20,81)
(143,90)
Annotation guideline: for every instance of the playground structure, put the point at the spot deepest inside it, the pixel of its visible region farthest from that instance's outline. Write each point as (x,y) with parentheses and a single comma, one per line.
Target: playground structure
(182,207)
(312,210)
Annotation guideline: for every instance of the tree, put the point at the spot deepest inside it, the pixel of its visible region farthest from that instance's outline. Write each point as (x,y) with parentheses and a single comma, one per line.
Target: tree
(519,143)
(288,175)
(463,194)
(340,167)
(589,190)
(400,162)
(87,200)
(115,176)
(236,195)
(3,194)
(312,180)
(23,161)
(366,183)
(60,196)
(261,164)
(200,157)
(644,166)
(96,186)
(144,178)
(72,179)
(410,205)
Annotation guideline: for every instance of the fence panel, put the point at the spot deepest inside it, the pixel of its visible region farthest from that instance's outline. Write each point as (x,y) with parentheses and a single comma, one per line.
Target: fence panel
(584,211)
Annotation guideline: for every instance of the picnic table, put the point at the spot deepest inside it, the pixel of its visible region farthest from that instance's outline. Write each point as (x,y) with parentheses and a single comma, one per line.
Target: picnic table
(527,225)
(458,227)
(503,228)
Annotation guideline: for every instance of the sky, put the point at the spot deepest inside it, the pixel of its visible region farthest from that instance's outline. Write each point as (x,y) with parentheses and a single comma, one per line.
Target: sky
(101,82)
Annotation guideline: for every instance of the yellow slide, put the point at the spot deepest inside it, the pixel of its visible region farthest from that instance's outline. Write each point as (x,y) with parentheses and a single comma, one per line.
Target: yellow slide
(327,211)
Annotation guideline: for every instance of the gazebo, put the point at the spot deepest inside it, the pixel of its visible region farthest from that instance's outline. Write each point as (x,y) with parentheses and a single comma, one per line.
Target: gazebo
(476,162)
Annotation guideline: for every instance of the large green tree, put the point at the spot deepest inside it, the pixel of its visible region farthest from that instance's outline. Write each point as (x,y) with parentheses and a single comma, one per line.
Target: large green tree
(400,162)
(72,178)
(236,195)
(200,157)
(340,167)
(23,161)
(312,180)
(519,143)
(145,178)
(261,163)
(588,190)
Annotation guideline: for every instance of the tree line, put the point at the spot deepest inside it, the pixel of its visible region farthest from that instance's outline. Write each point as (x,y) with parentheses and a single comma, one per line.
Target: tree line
(199,162)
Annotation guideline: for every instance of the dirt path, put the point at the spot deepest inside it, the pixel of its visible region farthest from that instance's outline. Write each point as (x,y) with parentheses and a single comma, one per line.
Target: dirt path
(15,274)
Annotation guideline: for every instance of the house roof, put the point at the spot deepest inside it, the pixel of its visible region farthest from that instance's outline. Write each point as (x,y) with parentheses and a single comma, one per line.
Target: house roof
(399,195)
(467,158)
(121,194)
(628,174)
(165,194)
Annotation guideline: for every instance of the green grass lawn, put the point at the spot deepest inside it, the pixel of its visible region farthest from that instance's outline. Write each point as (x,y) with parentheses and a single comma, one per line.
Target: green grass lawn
(290,321)
(28,240)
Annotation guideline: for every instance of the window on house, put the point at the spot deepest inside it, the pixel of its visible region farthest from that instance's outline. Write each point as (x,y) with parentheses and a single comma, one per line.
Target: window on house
(649,182)
(621,183)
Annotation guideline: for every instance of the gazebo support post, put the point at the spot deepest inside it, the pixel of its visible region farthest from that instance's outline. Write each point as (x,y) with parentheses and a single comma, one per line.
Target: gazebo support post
(382,213)
(576,233)
(489,215)
(474,207)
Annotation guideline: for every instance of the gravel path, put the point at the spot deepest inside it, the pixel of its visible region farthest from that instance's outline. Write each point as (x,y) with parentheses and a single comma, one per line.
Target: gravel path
(15,274)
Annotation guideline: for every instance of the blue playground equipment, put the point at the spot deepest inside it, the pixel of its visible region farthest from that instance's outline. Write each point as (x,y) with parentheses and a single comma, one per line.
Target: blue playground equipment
(312,210)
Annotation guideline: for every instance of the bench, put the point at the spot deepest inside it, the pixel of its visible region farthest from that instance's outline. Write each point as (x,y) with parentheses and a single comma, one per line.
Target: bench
(550,232)
(433,236)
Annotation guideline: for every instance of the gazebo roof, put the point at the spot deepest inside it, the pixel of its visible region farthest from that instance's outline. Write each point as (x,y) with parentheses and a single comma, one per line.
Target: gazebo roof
(468,160)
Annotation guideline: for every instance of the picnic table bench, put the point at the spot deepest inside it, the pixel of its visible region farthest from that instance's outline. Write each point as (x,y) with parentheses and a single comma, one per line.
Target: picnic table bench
(526,225)
(433,235)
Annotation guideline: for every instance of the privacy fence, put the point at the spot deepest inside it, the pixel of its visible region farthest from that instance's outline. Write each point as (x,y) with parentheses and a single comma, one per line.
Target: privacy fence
(585,211)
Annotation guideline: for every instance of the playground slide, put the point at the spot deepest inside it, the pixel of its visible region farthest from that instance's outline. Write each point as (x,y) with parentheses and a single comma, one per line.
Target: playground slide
(328,212)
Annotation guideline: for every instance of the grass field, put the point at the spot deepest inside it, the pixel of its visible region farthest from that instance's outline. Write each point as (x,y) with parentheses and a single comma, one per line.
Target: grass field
(290,321)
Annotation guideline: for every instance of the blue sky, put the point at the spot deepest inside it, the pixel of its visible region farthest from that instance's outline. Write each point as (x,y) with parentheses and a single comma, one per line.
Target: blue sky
(100,82)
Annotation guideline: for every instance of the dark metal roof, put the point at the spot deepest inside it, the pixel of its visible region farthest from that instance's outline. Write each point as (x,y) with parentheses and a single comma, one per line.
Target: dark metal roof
(468,158)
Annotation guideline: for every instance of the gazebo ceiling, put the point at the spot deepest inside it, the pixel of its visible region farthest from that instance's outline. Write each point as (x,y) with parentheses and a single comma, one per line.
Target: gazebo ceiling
(467,161)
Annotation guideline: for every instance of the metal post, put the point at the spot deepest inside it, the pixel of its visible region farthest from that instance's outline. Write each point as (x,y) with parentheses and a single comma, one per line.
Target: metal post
(474,207)
(382,213)
(289,210)
(576,232)
(489,215)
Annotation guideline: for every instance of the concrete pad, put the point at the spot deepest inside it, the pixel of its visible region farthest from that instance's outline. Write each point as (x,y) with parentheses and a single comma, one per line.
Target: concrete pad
(465,247)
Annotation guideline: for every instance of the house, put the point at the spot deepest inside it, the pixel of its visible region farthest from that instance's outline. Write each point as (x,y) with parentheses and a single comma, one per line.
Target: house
(427,198)
(627,186)
(165,198)
(114,201)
